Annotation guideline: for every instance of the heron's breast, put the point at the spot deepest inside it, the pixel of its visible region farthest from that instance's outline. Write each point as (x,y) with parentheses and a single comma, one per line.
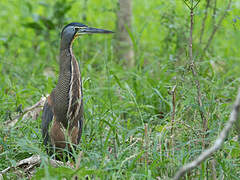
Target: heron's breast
(75,92)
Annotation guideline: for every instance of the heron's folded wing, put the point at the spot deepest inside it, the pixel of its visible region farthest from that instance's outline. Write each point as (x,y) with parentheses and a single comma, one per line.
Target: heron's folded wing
(47,117)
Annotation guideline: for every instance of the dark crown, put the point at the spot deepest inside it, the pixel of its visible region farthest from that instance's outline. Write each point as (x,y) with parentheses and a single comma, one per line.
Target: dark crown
(73,24)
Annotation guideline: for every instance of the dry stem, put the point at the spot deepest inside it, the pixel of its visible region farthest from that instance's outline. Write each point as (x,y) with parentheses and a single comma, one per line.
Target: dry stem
(173,93)
(32,111)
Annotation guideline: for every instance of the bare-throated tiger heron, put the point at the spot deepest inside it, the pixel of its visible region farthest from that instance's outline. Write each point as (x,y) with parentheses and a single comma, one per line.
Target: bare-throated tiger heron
(62,118)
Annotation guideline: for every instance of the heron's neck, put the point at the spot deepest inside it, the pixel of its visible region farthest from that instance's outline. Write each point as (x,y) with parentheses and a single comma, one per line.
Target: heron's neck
(66,56)
(66,43)
(70,77)
(68,89)
(68,64)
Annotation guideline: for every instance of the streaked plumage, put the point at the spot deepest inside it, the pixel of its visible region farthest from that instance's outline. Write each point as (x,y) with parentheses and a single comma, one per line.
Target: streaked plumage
(62,117)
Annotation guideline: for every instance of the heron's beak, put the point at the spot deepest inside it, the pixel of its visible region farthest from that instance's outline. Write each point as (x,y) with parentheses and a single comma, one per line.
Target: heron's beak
(90,30)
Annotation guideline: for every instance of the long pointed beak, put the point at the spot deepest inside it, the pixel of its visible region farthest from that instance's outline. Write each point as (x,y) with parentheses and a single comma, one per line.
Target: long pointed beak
(90,30)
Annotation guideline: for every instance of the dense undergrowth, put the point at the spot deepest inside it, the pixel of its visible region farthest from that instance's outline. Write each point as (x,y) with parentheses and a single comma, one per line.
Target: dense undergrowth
(128,131)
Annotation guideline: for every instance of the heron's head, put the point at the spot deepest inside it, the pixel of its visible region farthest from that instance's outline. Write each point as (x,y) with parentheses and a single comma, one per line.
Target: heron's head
(73,30)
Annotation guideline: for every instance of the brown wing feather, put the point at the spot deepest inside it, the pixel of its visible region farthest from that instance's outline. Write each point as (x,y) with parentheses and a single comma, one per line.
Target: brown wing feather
(47,117)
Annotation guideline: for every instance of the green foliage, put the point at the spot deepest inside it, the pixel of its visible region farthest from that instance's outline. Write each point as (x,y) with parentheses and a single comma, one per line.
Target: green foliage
(127,129)
(64,172)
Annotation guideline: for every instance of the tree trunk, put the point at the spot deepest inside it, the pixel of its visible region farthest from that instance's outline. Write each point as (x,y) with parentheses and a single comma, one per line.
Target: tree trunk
(124,47)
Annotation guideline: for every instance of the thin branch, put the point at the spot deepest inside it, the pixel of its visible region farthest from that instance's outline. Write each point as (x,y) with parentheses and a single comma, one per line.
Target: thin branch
(234,118)
(192,6)
(186,4)
(194,73)
(216,27)
(214,12)
(204,21)
(196,4)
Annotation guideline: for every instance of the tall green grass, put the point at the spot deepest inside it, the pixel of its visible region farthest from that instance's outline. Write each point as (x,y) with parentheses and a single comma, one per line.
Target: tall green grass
(127,128)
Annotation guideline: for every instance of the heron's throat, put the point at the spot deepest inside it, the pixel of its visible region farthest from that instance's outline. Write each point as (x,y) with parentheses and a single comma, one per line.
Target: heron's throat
(66,42)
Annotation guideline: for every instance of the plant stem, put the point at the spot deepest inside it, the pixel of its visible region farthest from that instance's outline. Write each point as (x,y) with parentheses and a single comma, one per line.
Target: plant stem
(195,75)
(216,27)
